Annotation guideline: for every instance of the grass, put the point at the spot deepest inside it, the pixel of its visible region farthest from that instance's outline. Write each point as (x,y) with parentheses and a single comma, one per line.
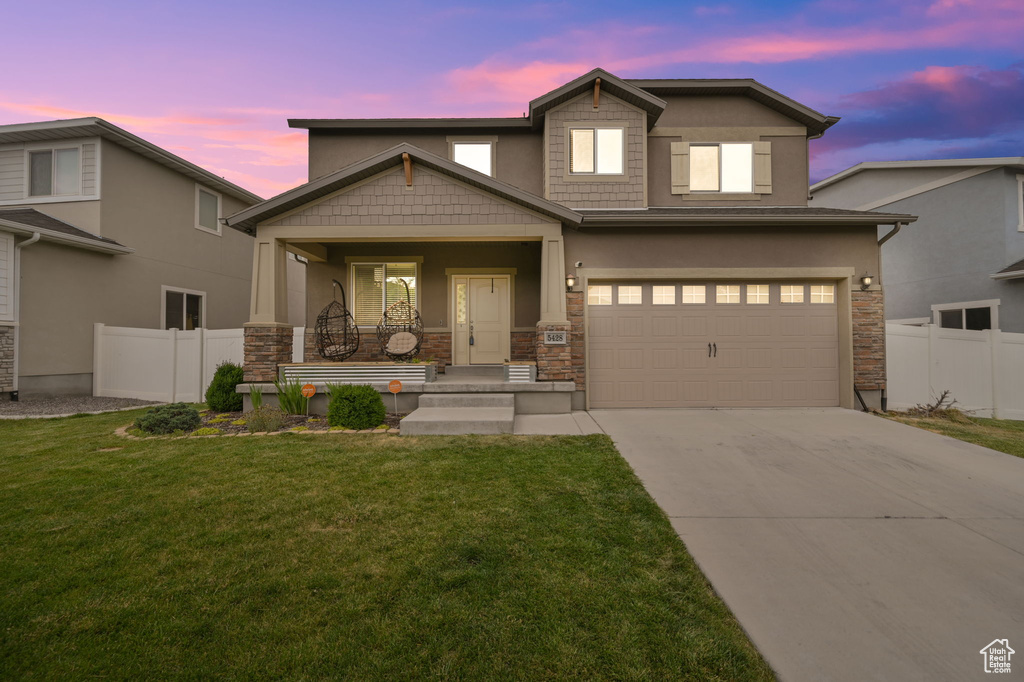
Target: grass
(1003,435)
(360,557)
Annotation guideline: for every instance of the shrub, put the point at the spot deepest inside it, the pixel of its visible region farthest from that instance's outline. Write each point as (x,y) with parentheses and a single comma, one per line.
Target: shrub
(290,398)
(354,407)
(265,418)
(168,419)
(220,395)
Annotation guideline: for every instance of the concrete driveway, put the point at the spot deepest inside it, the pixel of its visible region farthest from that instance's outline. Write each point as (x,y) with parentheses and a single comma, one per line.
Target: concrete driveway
(848,546)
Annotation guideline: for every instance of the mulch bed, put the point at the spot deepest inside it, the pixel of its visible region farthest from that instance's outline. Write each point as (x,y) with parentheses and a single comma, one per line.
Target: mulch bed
(315,422)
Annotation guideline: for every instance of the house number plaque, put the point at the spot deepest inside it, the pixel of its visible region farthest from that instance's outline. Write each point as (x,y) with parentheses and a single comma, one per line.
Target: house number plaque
(556,338)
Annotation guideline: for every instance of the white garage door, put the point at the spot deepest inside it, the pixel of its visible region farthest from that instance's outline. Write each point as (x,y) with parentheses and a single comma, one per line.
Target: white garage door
(712,344)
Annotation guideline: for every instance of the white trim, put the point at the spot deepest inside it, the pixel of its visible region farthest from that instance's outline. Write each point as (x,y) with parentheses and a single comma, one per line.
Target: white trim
(199,189)
(50,147)
(595,126)
(911,321)
(992,304)
(926,187)
(163,305)
(491,140)
(385,261)
(1020,203)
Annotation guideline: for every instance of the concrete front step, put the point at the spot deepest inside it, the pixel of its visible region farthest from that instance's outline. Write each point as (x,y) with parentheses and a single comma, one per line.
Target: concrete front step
(468,400)
(458,420)
(497,371)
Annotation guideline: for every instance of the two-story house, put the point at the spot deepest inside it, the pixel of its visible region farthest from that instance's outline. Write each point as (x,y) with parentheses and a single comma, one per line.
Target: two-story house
(962,265)
(662,224)
(98,225)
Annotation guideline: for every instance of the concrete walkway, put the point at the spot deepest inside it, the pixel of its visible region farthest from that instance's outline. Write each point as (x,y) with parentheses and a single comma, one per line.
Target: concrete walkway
(566,424)
(848,546)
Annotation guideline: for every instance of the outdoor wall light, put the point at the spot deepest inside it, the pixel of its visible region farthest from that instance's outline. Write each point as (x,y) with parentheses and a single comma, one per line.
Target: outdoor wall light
(570,282)
(865,282)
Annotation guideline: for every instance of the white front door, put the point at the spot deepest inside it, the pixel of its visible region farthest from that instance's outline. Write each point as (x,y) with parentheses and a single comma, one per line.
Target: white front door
(482,320)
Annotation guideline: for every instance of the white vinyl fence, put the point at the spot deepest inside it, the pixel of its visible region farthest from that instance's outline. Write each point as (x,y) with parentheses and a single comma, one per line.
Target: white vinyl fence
(982,370)
(165,365)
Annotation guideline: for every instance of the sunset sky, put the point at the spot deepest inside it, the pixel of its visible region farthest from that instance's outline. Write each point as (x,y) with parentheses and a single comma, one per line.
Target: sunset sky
(215,81)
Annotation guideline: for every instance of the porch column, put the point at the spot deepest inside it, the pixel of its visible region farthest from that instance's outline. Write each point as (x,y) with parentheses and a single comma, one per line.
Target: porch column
(269,302)
(552,283)
(268,336)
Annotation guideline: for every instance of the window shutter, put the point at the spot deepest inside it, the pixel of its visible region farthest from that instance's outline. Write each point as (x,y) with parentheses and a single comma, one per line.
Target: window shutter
(763,167)
(680,168)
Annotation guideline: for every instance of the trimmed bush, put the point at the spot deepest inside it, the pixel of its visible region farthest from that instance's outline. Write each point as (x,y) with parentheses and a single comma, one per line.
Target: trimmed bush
(221,396)
(265,418)
(354,407)
(168,419)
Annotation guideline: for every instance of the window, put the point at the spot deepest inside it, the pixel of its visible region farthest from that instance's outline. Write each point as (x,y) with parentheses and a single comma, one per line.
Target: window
(757,294)
(976,315)
(183,309)
(792,293)
(722,167)
(475,155)
(207,210)
(664,295)
(54,172)
(379,285)
(727,293)
(631,295)
(694,294)
(599,294)
(596,151)
(823,293)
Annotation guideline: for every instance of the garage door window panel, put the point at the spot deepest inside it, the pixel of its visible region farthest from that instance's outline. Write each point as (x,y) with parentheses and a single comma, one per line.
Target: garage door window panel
(727,294)
(599,294)
(758,294)
(694,295)
(791,293)
(823,293)
(631,295)
(663,295)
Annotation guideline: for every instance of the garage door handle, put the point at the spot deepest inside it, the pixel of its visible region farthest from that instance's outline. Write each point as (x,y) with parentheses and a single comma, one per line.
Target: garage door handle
(709,350)
(716,350)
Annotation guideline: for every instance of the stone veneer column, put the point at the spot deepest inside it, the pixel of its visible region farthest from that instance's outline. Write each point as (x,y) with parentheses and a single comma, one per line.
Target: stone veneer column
(868,309)
(266,346)
(563,363)
(6,359)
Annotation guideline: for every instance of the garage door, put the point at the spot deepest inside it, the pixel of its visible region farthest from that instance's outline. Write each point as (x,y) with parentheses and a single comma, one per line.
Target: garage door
(712,344)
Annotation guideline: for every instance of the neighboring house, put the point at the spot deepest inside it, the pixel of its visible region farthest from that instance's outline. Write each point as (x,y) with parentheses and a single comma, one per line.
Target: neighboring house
(699,275)
(98,225)
(961,266)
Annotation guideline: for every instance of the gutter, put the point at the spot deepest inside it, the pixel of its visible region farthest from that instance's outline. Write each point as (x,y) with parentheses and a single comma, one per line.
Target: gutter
(62,238)
(676,220)
(36,236)
(897,228)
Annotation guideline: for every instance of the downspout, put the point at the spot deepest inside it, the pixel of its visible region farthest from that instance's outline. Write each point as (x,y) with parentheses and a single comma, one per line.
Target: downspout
(896,228)
(17,307)
(809,138)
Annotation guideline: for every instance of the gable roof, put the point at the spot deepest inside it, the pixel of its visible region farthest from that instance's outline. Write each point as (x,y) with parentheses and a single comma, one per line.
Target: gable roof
(1011,271)
(642,93)
(30,221)
(995,162)
(303,194)
(814,121)
(97,127)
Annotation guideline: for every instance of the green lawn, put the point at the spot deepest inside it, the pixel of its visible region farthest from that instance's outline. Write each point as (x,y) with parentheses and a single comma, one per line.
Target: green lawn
(329,556)
(1003,435)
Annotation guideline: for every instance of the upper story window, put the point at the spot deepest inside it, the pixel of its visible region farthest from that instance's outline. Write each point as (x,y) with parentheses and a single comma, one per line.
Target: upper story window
(54,172)
(207,210)
(976,315)
(727,167)
(379,285)
(597,151)
(476,155)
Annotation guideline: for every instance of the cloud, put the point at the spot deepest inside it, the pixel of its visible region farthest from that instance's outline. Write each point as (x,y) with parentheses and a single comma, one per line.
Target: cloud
(938,112)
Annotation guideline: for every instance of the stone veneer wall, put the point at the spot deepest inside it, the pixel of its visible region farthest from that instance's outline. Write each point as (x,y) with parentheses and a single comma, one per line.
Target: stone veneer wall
(6,359)
(600,193)
(436,345)
(264,349)
(868,339)
(564,363)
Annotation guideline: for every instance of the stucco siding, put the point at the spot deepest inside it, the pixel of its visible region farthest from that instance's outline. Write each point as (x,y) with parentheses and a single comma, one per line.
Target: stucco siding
(964,233)
(433,199)
(590,191)
(875,184)
(714,111)
(518,155)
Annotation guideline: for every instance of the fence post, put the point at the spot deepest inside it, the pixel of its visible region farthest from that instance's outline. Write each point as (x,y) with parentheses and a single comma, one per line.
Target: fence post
(202,362)
(97,357)
(174,364)
(995,341)
(933,331)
